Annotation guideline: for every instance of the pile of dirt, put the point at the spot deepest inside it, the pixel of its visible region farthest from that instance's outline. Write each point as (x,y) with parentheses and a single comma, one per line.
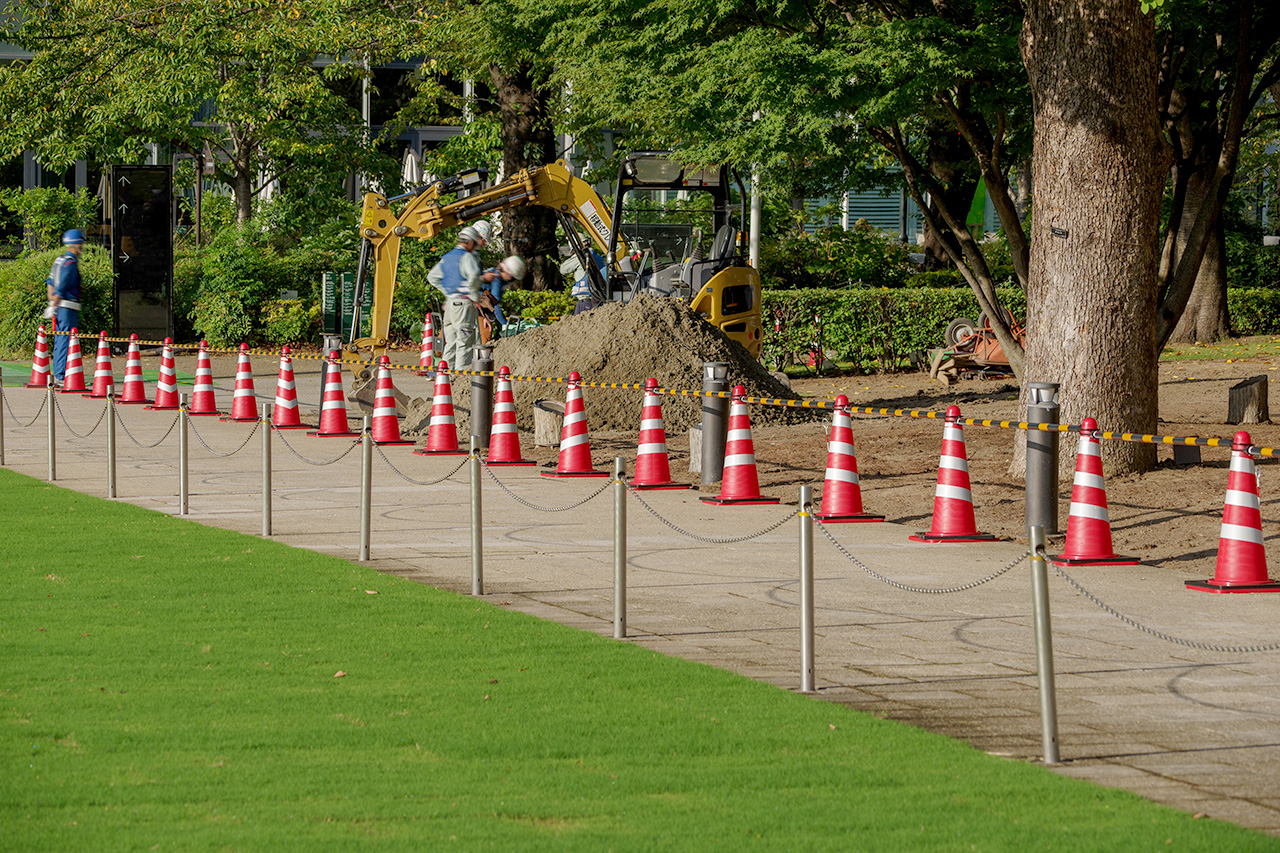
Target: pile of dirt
(647,337)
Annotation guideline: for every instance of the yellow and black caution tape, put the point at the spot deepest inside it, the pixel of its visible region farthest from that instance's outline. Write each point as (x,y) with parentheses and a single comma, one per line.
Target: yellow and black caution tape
(821,405)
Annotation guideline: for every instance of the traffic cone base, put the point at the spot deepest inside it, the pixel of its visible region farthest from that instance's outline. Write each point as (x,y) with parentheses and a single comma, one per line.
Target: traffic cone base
(1113,560)
(836,518)
(655,486)
(570,474)
(238,420)
(1210,586)
(394,443)
(422,451)
(317,432)
(953,537)
(723,501)
(514,463)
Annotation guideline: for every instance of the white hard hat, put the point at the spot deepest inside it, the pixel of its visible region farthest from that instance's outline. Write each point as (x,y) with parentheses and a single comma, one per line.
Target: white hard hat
(467,235)
(483,230)
(514,265)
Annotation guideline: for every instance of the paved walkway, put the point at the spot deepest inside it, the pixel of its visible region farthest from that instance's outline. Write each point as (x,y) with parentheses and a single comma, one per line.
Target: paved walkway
(1195,729)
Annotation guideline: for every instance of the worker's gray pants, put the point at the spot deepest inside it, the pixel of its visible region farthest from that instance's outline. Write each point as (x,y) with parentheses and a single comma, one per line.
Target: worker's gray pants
(460,326)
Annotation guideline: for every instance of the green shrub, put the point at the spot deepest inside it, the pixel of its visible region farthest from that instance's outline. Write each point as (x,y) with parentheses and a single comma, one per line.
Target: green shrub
(289,321)
(235,285)
(833,257)
(1250,265)
(1254,311)
(23,297)
(875,328)
(937,278)
(539,305)
(46,212)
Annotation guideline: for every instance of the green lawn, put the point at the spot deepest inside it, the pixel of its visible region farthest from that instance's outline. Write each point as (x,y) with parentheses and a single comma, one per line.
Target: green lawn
(165,685)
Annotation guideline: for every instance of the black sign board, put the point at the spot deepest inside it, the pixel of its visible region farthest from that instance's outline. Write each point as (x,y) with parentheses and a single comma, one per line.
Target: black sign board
(142,250)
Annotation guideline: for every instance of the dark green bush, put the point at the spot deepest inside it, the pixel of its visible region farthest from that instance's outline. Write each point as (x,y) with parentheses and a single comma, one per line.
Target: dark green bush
(832,257)
(23,297)
(290,321)
(1254,310)
(875,328)
(235,284)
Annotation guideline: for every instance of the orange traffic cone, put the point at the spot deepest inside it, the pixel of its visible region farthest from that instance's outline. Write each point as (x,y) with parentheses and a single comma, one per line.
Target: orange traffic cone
(202,399)
(40,361)
(244,401)
(504,439)
(167,384)
(73,378)
(575,446)
(653,468)
(385,428)
(333,406)
(284,415)
(739,483)
(102,376)
(1242,558)
(442,433)
(428,354)
(953,519)
(841,494)
(134,390)
(1089,525)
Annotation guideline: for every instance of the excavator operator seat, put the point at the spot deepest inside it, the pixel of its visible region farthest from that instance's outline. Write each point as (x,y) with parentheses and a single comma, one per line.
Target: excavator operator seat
(725,243)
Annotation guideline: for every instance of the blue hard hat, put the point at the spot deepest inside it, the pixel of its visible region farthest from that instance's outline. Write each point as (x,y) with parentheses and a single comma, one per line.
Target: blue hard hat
(72,236)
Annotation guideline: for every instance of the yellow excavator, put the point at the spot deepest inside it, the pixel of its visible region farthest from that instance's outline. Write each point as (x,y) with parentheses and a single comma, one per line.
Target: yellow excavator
(657,255)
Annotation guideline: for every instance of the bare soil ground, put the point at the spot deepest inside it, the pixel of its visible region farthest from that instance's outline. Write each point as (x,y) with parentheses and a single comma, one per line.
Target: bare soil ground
(1168,517)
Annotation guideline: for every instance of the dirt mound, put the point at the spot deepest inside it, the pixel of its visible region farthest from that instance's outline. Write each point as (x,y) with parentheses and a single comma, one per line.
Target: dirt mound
(649,336)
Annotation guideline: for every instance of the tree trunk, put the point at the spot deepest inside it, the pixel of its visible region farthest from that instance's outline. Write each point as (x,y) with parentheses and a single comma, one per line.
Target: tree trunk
(951,161)
(528,141)
(1205,317)
(1097,165)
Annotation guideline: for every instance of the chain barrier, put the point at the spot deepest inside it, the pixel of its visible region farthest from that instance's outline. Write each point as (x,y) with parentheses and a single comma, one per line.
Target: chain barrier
(343,455)
(927,590)
(120,421)
(14,414)
(57,404)
(597,493)
(1134,623)
(710,540)
(403,476)
(242,446)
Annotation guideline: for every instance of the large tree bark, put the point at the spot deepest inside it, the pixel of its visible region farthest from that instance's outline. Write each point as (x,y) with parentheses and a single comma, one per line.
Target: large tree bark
(1097,164)
(528,141)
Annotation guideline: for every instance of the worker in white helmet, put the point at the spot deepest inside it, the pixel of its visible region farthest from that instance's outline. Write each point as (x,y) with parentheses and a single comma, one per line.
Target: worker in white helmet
(457,276)
(484,231)
(493,280)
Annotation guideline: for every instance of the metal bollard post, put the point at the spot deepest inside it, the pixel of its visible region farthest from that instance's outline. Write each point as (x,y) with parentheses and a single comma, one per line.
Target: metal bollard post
(265,424)
(111,441)
(366,488)
(1,423)
(715,420)
(477,522)
(1042,457)
(619,549)
(1044,646)
(53,442)
(482,395)
(182,454)
(806,589)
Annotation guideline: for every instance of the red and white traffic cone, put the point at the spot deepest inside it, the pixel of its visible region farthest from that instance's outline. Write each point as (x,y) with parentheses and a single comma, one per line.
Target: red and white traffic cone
(953,519)
(73,378)
(284,415)
(333,406)
(739,483)
(653,468)
(244,400)
(202,399)
(575,446)
(1089,525)
(167,384)
(102,375)
(134,390)
(1242,558)
(40,361)
(426,359)
(442,431)
(385,428)
(504,439)
(841,493)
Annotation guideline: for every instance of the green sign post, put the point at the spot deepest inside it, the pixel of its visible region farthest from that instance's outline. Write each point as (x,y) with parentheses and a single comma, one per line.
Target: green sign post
(337,297)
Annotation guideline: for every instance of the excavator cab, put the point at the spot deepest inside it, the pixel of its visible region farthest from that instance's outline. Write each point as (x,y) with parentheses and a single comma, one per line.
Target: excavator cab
(685,234)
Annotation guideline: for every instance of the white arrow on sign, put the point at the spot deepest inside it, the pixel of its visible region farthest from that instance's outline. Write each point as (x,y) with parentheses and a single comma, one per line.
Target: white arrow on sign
(124,259)
(123,181)
(123,207)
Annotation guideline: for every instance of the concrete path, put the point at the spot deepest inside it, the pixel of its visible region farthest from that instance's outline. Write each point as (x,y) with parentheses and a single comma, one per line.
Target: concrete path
(1195,729)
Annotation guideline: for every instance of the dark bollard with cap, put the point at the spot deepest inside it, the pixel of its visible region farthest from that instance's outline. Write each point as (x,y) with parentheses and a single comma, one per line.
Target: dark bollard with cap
(1042,457)
(715,420)
(482,395)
